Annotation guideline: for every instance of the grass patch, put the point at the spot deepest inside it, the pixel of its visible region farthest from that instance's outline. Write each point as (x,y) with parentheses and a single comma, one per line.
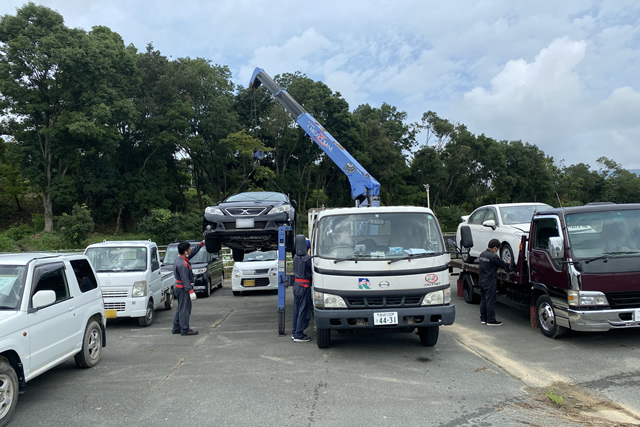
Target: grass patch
(555,398)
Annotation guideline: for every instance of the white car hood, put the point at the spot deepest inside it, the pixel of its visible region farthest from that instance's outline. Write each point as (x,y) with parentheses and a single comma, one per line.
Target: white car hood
(255,265)
(109,279)
(524,227)
(9,322)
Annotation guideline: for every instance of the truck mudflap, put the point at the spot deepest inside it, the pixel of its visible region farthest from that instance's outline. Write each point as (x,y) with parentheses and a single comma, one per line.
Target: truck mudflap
(364,318)
(603,320)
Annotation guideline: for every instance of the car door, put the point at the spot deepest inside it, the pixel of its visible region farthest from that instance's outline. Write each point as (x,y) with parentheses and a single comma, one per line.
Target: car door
(155,275)
(53,329)
(475,225)
(489,233)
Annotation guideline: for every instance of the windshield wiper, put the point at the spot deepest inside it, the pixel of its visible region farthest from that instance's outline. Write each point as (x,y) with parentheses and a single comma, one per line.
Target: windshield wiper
(409,256)
(354,257)
(621,252)
(604,257)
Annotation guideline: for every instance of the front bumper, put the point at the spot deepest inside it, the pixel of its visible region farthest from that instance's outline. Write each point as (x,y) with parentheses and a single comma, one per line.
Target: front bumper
(363,318)
(261,283)
(200,283)
(603,320)
(225,225)
(127,307)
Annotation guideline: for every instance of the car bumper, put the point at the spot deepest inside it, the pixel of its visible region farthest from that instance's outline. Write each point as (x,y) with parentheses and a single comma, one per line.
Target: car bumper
(363,319)
(603,320)
(227,225)
(200,283)
(261,283)
(129,307)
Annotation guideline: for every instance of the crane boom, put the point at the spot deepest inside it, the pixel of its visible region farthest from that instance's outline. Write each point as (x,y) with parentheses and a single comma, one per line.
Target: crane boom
(365,189)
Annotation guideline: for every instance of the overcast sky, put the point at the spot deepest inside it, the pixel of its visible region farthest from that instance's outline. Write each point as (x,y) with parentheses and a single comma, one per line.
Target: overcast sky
(564,75)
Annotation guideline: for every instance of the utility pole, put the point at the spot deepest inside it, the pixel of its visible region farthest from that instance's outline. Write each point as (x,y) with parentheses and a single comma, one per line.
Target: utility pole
(426,187)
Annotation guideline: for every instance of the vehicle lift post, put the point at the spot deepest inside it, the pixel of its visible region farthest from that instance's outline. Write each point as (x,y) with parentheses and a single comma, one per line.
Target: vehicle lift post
(282,275)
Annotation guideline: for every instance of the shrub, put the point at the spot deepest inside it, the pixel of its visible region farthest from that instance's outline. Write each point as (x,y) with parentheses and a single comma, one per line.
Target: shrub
(37,219)
(48,242)
(7,244)
(76,227)
(161,226)
(449,217)
(18,232)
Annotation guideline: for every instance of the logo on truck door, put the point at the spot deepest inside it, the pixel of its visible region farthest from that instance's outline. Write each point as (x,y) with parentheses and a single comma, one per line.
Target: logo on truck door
(431,278)
(364,283)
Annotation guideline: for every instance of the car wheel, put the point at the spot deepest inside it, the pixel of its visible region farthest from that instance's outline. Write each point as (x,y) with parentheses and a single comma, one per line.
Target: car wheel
(323,337)
(237,293)
(147,319)
(466,257)
(221,280)
(429,335)
(168,300)
(506,253)
(238,255)
(547,318)
(213,245)
(89,356)
(9,388)
(207,291)
(470,297)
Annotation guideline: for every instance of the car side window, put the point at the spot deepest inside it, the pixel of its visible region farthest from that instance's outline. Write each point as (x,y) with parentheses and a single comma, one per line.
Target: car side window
(491,214)
(84,274)
(51,277)
(477,217)
(155,264)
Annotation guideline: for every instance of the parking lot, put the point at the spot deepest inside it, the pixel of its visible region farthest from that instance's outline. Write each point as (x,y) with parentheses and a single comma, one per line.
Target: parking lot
(238,371)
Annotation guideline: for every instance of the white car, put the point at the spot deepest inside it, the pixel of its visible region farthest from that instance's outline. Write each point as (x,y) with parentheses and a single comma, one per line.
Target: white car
(507,222)
(258,271)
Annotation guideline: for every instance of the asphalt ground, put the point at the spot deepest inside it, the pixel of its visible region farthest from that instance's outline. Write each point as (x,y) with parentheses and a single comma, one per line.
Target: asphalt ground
(239,372)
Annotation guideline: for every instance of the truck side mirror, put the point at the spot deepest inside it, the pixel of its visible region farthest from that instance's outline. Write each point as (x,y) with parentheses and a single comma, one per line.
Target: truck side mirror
(556,247)
(301,245)
(43,298)
(466,237)
(490,223)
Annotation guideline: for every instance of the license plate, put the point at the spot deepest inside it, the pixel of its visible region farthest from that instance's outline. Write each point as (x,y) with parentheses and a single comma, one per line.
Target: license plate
(244,222)
(249,283)
(110,313)
(637,316)
(381,319)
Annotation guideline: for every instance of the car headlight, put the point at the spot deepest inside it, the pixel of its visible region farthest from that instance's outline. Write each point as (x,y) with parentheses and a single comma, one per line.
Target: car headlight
(273,271)
(280,209)
(213,211)
(235,272)
(587,298)
(197,271)
(322,300)
(435,298)
(139,289)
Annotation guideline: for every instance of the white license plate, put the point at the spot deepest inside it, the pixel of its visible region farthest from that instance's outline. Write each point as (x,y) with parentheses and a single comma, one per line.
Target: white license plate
(636,315)
(381,319)
(244,222)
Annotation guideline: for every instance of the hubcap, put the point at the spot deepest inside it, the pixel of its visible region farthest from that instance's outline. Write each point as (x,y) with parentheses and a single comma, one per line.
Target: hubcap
(94,345)
(546,317)
(7,393)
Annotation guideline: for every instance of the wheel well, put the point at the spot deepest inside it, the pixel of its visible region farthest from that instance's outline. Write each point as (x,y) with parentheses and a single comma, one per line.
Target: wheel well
(98,318)
(14,360)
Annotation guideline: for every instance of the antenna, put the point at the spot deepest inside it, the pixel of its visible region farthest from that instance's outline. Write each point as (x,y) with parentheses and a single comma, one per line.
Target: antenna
(558,197)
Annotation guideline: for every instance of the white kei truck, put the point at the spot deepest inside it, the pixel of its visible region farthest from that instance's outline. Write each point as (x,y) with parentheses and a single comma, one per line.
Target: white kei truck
(379,268)
(50,310)
(133,283)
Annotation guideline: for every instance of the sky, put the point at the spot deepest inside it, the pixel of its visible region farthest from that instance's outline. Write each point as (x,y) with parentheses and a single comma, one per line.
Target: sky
(563,75)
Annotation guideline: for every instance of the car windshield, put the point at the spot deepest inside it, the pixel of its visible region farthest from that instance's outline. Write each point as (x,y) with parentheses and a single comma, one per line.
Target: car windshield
(257,196)
(170,255)
(378,236)
(520,214)
(614,233)
(118,259)
(201,256)
(11,282)
(260,256)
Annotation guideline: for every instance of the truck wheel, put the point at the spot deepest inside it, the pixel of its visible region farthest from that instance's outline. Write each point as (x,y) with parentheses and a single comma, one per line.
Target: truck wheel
(89,356)
(547,318)
(213,245)
(238,255)
(429,335)
(8,391)
(168,300)
(147,319)
(323,338)
(470,297)
(466,257)
(506,253)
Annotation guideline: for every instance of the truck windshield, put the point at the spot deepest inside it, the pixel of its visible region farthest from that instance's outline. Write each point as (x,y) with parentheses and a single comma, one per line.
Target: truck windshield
(118,259)
(614,233)
(11,282)
(378,236)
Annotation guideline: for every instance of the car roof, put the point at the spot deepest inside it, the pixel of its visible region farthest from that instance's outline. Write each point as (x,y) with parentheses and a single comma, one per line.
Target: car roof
(595,207)
(506,205)
(374,209)
(24,257)
(115,243)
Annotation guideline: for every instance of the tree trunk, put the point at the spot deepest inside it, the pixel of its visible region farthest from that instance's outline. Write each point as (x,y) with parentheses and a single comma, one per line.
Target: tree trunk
(17,203)
(118,220)
(48,212)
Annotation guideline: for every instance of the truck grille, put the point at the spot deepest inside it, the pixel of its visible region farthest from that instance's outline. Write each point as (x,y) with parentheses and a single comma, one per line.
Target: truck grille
(620,300)
(245,211)
(386,301)
(118,306)
(260,281)
(114,294)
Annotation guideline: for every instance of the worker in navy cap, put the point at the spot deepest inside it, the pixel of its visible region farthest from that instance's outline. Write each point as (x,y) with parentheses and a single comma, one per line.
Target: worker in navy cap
(302,303)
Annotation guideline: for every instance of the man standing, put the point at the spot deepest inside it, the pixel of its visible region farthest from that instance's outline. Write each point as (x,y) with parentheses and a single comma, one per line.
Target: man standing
(302,302)
(184,288)
(489,263)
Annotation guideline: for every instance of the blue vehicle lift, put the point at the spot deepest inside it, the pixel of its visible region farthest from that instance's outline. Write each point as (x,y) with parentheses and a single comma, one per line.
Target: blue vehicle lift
(282,276)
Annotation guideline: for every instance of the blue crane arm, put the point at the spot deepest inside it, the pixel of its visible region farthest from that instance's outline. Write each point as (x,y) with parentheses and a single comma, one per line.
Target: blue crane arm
(364,188)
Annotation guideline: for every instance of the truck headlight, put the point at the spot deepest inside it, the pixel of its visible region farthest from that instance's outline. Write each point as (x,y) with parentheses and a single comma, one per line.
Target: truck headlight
(280,209)
(139,289)
(197,271)
(213,211)
(322,300)
(587,298)
(447,295)
(435,298)
(273,271)
(235,272)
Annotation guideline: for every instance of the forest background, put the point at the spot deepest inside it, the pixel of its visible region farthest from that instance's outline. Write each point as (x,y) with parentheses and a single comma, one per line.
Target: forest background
(100,139)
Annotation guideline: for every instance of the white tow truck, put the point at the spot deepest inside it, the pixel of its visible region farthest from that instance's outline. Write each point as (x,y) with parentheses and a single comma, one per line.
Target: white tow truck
(133,283)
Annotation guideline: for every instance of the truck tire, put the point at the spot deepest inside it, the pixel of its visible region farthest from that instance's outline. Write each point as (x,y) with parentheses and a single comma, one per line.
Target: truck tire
(213,245)
(168,300)
(238,255)
(466,257)
(547,318)
(323,338)
(147,319)
(91,351)
(429,335)
(9,388)
(506,253)
(470,297)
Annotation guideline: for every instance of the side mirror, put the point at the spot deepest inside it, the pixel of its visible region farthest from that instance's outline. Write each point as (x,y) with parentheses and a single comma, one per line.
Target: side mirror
(489,223)
(466,237)
(556,247)
(43,298)
(294,203)
(301,245)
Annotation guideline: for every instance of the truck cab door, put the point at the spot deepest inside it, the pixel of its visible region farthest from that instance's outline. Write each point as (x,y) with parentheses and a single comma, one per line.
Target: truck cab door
(543,268)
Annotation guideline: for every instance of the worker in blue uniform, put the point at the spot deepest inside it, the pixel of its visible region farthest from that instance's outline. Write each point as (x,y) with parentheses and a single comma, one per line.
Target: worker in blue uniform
(302,303)
(184,288)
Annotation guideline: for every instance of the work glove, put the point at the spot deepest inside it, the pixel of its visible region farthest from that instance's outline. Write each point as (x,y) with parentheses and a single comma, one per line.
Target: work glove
(192,295)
